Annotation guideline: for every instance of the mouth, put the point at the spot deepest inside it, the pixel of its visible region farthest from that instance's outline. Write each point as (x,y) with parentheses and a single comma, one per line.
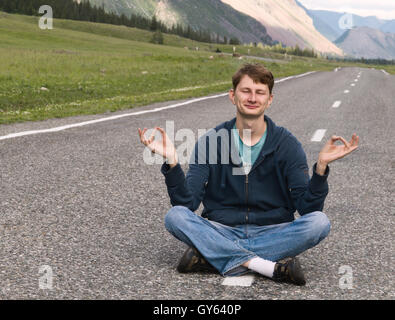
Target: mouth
(251,107)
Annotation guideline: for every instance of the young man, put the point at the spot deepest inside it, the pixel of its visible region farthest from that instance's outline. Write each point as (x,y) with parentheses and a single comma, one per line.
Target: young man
(249,196)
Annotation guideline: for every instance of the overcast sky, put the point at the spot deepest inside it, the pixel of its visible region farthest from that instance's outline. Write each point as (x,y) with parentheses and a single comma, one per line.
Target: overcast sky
(384,9)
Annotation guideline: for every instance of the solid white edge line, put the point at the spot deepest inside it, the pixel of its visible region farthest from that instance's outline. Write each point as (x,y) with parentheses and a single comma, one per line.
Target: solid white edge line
(318,135)
(295,77)
(85,123)
(80,124)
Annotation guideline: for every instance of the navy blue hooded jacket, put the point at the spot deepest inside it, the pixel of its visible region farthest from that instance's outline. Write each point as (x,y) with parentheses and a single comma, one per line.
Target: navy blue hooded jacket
(277,185)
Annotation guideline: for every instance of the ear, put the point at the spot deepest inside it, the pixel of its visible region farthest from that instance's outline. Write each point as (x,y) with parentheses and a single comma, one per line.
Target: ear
(270,100)
(269,103)
(232,96)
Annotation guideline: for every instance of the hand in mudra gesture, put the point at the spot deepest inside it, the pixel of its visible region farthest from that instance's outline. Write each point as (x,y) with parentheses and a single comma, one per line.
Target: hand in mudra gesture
(164,147)
(331,152)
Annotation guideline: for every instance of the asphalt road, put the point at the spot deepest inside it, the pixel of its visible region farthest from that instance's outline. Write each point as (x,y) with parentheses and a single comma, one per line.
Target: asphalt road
(82,205)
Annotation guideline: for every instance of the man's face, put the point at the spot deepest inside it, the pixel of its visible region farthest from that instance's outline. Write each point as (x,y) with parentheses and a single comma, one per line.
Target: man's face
(251,99)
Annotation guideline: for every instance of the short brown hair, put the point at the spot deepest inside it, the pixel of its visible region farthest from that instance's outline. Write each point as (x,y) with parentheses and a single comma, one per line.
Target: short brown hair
(256,72)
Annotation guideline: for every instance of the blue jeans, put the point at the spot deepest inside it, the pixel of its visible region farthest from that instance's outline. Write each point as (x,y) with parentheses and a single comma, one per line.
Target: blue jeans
(227,248)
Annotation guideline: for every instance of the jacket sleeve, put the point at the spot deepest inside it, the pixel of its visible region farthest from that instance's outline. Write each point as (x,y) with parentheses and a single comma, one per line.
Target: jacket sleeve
(308,194)
(187,191)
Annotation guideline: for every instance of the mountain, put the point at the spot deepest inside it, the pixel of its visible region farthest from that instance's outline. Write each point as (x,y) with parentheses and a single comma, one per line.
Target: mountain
(368,43)
(214,15)
(388,26)
(248,20)
(368,37)
(286,22)
(327,22)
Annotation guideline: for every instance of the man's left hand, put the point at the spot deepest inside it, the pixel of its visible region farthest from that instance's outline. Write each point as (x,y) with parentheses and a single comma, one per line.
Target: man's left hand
(331,152)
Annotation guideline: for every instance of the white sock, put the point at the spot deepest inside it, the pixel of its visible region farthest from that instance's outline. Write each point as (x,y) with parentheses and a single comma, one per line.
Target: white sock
(262,266)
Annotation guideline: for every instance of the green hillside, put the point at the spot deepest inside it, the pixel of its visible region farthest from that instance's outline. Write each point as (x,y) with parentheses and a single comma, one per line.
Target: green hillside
(93,68)
(213,15)
(89,68)
(142,7)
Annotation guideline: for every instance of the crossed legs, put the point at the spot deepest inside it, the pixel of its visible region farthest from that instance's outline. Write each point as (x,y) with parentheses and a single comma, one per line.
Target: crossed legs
(230,249)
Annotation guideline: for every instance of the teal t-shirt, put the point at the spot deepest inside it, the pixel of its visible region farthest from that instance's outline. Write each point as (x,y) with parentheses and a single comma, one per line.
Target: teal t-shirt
(244,150)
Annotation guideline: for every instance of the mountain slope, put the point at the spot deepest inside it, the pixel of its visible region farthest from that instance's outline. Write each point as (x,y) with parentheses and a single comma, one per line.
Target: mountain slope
(214,15)
(327,22)
(368,43)
(286,22)
(142,7)
(388,26)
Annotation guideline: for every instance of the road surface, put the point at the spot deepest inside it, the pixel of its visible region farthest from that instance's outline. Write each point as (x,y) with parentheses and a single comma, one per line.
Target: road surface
(81,213)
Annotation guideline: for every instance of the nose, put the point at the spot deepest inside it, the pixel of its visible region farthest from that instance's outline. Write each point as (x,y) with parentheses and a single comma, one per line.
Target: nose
(252,97)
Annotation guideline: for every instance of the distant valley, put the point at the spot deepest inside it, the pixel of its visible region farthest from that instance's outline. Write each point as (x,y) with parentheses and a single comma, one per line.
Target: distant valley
(270,22)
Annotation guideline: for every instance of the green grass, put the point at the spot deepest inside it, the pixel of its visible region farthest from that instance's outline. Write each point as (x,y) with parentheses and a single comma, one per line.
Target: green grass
(92,68)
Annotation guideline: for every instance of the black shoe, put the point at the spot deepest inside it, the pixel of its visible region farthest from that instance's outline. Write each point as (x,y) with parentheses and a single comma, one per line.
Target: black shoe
(193,261)
(289,270)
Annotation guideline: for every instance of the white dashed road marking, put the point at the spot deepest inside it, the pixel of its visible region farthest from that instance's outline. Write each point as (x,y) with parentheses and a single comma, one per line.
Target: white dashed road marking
(336,104)
(346,91)
(241,281)
(318,135)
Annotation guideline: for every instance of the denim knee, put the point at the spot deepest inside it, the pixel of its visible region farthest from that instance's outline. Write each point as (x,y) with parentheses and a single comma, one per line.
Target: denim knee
(320,226)
(174,217)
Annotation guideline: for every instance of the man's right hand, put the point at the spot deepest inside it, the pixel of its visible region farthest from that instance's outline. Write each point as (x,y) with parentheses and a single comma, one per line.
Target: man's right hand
(165,148)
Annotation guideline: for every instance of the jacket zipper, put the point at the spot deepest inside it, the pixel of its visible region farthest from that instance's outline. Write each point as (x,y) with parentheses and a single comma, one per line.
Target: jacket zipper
(246,187)
(248,208)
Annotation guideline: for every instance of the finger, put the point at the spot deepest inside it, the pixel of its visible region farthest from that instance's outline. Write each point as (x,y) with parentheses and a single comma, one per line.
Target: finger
(353,143)
(354,140)
(351,149)
(152,136)
(163,133)
(140,135)
(357,141)
(345,142)
(333,139)
(143,140)
(164,137)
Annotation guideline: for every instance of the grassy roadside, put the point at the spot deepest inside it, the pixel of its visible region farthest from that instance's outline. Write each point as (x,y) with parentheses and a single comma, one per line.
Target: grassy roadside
(84,68)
